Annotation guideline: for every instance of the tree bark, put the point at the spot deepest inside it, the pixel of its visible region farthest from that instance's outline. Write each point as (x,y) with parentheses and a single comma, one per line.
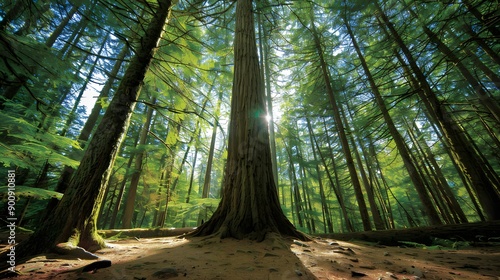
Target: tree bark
(249,206)
(74,220)
(208,172)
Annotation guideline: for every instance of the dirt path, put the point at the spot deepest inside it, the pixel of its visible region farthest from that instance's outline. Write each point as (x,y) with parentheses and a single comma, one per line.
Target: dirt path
(197,258)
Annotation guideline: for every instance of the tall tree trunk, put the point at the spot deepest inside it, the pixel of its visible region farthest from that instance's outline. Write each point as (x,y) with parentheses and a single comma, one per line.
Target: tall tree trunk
(211,152)
(363,211)
(466,159)
(65,177)
(308,214)
(72,114)
(123,184)
(324,204)
(74,220)
(413,172)
(136,175)
(486,100)
(191,177)
(447,193)
(167,170)
(382,196)
(335,185)
(295,198)
(104,214)
(249,205)
(374,209)
(167,182)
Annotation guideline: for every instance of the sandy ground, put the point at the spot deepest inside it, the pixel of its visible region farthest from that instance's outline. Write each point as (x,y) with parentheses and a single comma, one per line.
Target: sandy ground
(274,258)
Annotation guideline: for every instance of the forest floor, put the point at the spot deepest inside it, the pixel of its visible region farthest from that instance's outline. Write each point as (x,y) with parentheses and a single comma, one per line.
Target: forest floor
(274,258)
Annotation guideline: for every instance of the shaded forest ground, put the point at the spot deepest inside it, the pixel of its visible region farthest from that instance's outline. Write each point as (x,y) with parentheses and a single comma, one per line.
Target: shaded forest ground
(275,258)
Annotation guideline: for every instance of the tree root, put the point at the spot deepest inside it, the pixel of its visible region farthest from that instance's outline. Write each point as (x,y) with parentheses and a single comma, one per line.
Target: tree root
(69,250)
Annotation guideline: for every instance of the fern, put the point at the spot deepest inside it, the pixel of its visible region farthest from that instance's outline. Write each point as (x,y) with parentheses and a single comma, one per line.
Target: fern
(26,147)
(37,193)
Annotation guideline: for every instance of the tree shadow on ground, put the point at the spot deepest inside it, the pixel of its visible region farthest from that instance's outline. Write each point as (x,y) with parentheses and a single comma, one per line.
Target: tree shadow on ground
(172,258)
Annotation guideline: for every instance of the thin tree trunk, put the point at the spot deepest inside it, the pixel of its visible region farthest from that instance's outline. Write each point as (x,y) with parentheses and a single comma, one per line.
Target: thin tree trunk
(398,139)
(462,152)
(211,152)
(128,211)
(374,209)
(166,174)
(305,190)
(335,185)
(341,130)
(324,203)
(104,218)
(447,193)
(191,177)
(72,114)
(294,188)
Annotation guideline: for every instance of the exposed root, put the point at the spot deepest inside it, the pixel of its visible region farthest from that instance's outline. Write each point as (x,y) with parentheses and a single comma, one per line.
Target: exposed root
(69,250)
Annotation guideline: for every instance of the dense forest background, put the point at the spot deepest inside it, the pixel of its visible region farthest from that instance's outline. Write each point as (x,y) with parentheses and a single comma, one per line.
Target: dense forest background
(382,115)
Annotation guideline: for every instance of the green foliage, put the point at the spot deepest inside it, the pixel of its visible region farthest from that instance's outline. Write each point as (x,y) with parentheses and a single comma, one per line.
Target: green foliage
(194,65)
(36,193)
(26,146)
(438,244)
(19,55)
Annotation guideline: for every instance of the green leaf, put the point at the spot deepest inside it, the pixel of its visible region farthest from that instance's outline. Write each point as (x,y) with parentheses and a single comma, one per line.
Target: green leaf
(24,191)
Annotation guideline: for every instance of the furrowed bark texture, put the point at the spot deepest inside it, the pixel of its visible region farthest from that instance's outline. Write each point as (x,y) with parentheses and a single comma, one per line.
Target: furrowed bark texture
(249,205)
